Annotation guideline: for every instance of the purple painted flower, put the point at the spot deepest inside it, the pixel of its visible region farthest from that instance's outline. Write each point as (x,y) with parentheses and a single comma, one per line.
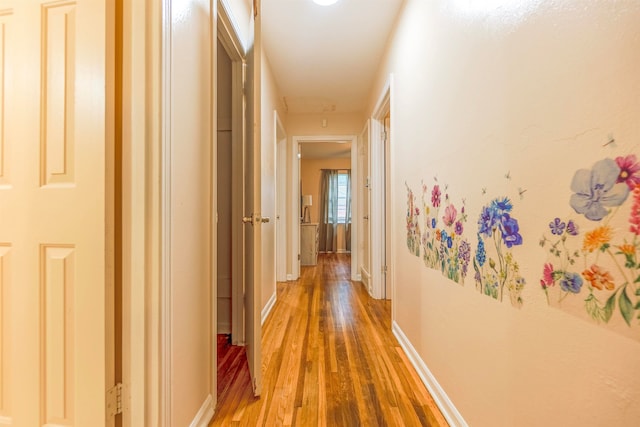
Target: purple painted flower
(486,221)
(435,196)
(598,188)
(464,251)
(510,231)
(557,226)
(459,228)
(450,214)
(571,282)
(572,228)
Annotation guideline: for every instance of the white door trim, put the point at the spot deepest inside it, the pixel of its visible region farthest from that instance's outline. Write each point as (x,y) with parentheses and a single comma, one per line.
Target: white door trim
(228,36)
(294,220)
(380,232)
(165,219)
(280,138)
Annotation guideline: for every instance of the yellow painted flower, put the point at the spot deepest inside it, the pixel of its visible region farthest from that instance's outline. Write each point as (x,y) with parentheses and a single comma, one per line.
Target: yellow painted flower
(594,240)
(599,278)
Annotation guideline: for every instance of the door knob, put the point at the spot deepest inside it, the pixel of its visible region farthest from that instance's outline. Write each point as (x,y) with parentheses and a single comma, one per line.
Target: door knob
(366,217)
(247,219)
(264,219)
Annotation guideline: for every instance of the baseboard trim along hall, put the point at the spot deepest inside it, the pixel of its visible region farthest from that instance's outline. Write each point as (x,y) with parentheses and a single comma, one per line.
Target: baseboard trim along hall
(204,415)
(449,411)
(267,308)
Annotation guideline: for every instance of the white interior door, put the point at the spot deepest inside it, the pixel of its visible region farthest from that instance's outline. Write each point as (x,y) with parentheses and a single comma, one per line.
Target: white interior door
(252,208)
(54,221)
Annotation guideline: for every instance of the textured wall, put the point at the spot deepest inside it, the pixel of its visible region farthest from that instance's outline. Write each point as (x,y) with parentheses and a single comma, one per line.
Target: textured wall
(506,115)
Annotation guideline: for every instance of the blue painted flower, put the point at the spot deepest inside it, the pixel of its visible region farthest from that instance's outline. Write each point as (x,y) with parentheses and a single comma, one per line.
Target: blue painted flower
(444,235)
(572,228)
(433,223)
(596,189)
(557,226)
(510,231)
(449,242)
(481,255)
(571,282)
(486,221)
(502,205)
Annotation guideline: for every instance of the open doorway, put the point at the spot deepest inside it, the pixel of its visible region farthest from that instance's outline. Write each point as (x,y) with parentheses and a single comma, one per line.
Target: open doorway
(230,314)
(381,178)
(312,154)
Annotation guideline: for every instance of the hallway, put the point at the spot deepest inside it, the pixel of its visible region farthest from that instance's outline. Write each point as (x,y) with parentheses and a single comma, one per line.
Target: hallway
(329,359)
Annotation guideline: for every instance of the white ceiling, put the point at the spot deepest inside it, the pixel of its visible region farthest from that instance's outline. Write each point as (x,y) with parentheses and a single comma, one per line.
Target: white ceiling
(325,58)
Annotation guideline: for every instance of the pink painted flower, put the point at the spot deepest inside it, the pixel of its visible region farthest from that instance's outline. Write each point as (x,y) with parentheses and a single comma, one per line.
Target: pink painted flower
(547,276)
(450,214)
(435,196)
(629,170)
(634,219)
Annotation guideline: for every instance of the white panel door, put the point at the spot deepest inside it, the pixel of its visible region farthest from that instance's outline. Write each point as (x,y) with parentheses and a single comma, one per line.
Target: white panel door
(252,207)
(53,212)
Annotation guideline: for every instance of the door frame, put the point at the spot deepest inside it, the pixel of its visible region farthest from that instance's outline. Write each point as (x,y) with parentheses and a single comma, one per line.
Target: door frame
(280,137)
(380,240)
(293,222)
(228,34)
(364,186)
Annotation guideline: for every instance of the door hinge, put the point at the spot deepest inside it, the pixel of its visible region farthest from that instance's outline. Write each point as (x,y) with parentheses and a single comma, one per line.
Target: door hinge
(114,401)
(384,269)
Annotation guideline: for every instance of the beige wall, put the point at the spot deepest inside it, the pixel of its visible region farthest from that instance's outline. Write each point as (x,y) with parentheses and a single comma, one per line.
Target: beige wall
(337,124)
(512,98)
(310,171)
(190,212)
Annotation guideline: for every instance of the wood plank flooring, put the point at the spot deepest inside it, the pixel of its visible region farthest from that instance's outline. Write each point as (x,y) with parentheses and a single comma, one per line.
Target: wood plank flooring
(329,359)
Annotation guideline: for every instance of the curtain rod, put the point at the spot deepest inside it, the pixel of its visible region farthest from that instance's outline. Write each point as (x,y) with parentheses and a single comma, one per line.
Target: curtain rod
(348,169)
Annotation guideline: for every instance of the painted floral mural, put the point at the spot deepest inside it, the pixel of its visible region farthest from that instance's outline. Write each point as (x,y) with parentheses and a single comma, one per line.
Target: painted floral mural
(497,274)
(413,226)
(442,243)
(444,246)
(598,261)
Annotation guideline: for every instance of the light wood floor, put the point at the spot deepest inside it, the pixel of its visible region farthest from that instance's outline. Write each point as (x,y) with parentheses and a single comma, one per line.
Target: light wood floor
(329,359)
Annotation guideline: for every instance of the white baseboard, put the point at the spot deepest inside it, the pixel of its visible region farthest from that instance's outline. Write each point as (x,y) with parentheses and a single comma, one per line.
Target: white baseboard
(290,278)
(267,308)
(204,415)
(449,411)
